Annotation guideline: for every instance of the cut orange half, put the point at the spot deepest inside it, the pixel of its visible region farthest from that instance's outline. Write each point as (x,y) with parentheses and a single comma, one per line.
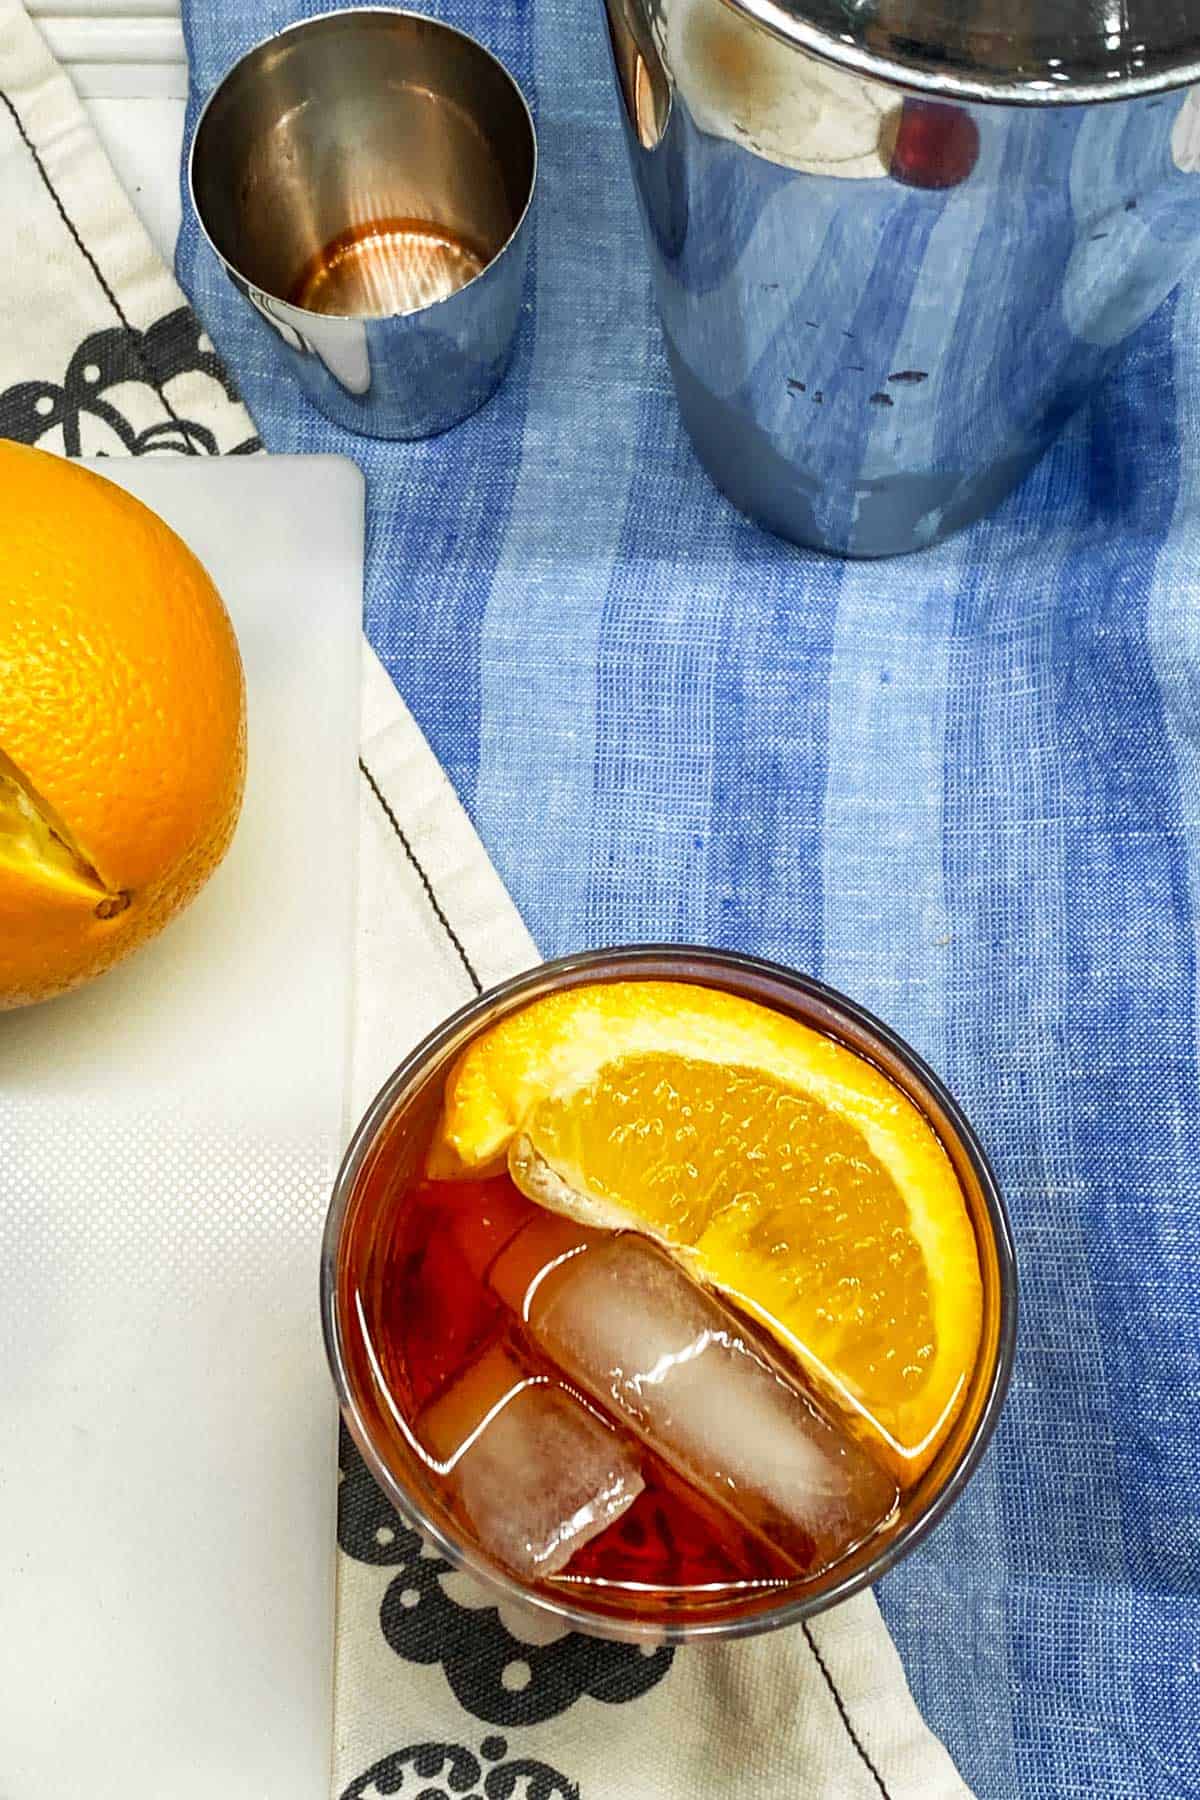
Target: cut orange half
(778,1165)
(122,725)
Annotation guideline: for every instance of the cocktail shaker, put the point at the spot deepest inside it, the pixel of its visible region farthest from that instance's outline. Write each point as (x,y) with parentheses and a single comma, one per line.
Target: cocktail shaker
(895,243)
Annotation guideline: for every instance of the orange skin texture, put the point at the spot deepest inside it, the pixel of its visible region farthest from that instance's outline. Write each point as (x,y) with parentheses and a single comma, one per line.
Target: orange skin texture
(122,713)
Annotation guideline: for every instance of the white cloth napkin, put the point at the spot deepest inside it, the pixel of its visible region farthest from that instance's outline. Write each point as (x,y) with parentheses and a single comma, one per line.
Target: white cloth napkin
(437,1691)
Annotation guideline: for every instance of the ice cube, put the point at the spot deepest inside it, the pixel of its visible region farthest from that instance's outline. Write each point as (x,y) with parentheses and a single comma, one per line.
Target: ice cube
(621,1319)
(535,1472)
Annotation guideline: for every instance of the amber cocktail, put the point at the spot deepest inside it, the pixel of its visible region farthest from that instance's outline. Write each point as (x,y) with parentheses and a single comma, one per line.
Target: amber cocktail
(670,1290)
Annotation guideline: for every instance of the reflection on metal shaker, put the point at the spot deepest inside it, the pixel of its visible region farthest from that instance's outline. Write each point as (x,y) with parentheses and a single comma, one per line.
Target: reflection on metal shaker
(883,297)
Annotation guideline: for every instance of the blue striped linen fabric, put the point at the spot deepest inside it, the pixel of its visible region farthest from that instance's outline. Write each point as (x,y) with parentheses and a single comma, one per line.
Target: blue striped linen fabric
(964,787)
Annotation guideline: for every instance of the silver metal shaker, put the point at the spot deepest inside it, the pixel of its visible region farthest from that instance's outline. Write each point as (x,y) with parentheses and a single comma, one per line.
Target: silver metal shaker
(896,243)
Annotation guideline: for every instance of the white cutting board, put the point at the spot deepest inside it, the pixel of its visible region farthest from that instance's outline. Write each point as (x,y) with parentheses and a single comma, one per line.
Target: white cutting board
(167,1142)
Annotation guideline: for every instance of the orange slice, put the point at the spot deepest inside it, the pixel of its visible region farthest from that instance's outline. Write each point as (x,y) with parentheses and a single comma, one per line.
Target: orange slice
(777,1164)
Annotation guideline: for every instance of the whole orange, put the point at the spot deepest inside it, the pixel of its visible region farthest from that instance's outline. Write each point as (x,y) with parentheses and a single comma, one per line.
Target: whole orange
(122,725)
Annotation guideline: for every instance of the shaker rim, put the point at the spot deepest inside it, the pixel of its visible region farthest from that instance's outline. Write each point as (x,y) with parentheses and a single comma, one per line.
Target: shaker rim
(1095,69)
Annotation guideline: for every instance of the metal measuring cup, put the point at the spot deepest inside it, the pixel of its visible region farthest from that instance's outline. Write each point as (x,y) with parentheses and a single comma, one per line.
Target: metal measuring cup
(365,178)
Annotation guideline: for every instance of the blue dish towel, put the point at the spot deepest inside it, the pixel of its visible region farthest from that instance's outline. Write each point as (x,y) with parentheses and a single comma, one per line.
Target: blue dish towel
(964,787)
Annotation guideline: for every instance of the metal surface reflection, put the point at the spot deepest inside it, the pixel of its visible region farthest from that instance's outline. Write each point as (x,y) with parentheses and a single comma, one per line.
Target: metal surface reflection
(880,306)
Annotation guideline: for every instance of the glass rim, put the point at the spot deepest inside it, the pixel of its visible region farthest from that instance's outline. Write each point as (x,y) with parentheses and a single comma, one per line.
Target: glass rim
(627,960)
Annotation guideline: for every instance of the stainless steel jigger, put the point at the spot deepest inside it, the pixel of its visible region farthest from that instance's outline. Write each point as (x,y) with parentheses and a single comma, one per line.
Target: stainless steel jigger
(365,178)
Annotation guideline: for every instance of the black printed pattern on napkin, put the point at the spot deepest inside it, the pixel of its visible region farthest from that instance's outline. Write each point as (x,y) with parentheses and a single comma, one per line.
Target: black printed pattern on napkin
(457,1769)
(173,345)
(495,1676)
(86,404)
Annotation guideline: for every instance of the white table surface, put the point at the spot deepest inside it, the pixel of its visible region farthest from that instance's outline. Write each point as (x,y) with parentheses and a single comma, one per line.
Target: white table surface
(127,60)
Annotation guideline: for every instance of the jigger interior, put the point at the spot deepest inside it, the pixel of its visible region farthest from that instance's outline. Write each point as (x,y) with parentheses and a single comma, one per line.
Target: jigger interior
(364,163)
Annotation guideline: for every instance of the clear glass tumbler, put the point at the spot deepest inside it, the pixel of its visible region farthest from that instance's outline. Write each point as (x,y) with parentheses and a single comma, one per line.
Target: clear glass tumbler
(385,1158)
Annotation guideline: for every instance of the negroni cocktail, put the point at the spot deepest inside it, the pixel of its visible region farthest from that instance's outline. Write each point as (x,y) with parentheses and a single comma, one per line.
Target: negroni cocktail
(664,1303)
